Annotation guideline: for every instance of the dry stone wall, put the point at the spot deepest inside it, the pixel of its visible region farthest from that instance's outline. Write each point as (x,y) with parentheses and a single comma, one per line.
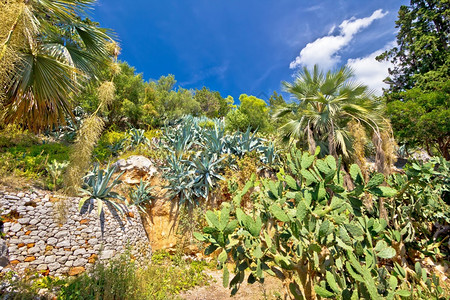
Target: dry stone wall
(42,233)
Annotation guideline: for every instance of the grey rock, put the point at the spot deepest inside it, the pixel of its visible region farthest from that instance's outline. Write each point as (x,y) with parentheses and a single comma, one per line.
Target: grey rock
(93,241)
(69,263)
(23,220)
(79,251)
(62,234)
(34,221)
(107,254)
(4,261)
(53,266)
(11,197)
(50,259)
(16,227)
(80,262)
(37,262)
(62,259)
(52,241)
(64,244)
(34,250)
(14,241)
(41,267)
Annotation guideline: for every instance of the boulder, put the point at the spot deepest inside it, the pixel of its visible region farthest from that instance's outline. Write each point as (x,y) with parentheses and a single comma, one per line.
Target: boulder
(136,167)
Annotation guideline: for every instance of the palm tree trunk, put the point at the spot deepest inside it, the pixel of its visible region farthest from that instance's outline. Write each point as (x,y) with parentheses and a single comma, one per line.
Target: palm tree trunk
(311,141)
(380,164)
(332,144)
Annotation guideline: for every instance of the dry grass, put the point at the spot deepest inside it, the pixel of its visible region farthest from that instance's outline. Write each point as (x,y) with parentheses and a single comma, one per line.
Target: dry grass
(80,158)
(106,92)
(360,141)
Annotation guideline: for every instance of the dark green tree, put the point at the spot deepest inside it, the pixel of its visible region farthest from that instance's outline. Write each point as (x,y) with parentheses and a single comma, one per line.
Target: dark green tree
(418,94)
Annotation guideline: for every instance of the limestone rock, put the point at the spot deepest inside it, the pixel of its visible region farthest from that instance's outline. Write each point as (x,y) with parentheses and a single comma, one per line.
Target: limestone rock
(136,167)
(76,271)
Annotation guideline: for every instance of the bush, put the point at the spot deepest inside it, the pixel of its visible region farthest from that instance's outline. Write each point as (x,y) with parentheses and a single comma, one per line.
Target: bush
(31,161)
(121,278)
(12,135)
(124,279)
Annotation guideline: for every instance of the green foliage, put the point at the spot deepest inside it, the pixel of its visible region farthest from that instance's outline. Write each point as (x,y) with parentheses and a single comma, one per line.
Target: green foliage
(12,135)
(97,186)
(136,137)
(151,104)
(31,161)
(423,40)
(198,155)
(418,101)
(123,279)
(141,195)
(212,104)
(424,188)
(27,286)
(55,170)
(252,112)
(420,118)
(313,233)
(120,278)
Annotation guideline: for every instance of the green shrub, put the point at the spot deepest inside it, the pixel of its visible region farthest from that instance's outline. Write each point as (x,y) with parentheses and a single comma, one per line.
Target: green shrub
(111,143)
(123,279)
(12,135)
(31,161)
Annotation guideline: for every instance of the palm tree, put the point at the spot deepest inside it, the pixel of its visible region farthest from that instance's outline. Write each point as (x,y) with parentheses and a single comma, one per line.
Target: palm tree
(324,105)
(50,50)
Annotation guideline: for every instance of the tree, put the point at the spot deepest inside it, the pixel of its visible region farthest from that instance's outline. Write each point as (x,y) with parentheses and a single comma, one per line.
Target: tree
(252,112)
(48,50)
(212,104)
(325,105)
(418,96)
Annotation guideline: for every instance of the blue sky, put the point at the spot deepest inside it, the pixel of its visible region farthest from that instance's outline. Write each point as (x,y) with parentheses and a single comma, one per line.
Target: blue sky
(250,46)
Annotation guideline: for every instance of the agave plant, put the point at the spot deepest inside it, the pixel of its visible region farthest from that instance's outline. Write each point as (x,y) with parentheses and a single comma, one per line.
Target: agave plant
(97,186)
(179,178)
(205,174)
(141,195)
(137,137)
(180,140)
(241,143)
(117,147)
(269,154)
(214,141)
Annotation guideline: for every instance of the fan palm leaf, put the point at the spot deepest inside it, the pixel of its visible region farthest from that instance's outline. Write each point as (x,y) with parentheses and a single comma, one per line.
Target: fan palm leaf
(57,51)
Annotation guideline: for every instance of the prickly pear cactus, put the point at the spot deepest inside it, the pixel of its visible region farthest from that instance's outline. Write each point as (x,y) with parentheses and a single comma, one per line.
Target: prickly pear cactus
(311,232)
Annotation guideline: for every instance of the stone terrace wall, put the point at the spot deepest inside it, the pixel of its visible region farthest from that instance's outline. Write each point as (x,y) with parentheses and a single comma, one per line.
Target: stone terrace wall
(38,239)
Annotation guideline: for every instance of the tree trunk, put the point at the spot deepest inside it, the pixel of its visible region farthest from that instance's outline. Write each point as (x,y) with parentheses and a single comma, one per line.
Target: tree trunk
(380,164)
(311,141)
(332,142)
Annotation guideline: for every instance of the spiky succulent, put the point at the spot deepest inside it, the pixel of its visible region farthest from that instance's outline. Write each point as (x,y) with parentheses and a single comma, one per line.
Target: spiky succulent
(98,186)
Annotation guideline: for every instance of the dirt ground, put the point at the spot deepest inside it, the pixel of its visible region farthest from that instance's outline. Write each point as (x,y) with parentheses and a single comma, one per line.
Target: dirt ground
(271,289)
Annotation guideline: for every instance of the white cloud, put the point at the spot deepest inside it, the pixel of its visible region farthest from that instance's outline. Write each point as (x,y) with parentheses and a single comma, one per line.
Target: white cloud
(324,51)
(371,72)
